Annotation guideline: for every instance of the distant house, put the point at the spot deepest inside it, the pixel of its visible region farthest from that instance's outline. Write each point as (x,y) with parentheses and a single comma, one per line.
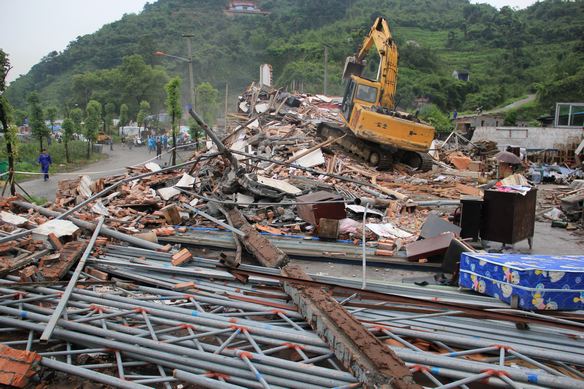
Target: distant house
(462,75)
(569,115)
(469,122)
(566,115)
(244,7)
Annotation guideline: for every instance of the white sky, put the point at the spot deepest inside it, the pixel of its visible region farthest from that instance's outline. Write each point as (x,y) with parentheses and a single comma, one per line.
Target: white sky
(30,29)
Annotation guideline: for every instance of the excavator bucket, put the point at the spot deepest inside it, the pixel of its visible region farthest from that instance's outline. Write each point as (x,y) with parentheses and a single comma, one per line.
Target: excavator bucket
(352,66)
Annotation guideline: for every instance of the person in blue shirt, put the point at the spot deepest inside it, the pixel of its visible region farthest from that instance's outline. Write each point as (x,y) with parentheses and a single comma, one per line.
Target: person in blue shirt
(45,161)
(164,141)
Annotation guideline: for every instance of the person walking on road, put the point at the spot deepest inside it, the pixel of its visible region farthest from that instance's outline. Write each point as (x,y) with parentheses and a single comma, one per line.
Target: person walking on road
(158,149)
(45,161)
(151,144)
(165,141)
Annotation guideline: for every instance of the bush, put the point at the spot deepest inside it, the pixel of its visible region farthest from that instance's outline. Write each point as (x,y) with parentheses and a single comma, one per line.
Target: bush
(435,117)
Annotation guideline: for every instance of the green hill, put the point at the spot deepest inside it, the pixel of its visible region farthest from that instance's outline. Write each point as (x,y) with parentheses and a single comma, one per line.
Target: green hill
(509,53)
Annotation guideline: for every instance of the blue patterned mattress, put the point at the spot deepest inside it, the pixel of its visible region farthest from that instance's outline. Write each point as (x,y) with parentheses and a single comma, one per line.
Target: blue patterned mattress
(539,281)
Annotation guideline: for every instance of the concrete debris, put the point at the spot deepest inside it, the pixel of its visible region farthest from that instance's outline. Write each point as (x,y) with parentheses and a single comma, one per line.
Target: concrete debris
(166,292)
(60,228)
(388,230)
(280,185)
(13,219)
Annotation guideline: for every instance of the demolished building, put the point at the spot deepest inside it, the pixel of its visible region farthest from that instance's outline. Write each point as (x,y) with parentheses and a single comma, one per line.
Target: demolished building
(153,278)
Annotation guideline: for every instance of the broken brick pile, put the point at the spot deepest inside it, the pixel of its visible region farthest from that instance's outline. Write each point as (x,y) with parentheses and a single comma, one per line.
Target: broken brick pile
(17,367)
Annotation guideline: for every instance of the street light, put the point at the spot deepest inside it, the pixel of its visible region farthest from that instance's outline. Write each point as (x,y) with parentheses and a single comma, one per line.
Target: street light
(189,61)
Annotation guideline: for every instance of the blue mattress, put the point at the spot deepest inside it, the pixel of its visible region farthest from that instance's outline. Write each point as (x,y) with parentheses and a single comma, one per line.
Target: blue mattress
(541,282)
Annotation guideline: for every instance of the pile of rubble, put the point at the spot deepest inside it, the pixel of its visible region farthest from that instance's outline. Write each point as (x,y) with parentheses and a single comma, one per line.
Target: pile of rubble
(146,279)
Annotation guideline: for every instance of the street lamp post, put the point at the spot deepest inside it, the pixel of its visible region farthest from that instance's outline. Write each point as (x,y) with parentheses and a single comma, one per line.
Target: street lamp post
(189,61)
(191,80)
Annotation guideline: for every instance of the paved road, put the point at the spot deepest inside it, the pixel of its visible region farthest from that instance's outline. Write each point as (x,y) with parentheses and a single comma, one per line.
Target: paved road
(513,105)
(115,163)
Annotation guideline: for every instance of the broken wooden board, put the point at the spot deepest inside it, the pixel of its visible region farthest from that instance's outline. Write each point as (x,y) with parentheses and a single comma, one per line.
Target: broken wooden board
(258,245)
(55,270)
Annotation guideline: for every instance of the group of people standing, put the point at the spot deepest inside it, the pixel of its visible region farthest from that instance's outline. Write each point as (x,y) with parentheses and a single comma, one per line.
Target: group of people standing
(157,143)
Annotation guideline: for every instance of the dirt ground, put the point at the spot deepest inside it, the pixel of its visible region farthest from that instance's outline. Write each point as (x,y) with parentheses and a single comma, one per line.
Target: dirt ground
(547,240)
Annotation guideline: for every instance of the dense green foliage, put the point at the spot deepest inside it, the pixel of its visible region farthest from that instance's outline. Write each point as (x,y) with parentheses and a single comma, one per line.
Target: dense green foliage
(431,114)
(508,53)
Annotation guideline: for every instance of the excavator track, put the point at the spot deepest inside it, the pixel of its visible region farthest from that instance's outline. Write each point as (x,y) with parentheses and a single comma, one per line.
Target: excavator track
(372,153)
(420,161)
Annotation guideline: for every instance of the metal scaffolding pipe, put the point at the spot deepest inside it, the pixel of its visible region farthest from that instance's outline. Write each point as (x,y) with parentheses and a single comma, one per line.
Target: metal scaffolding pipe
(167,352)
(529,377)
(46,335)
(535,352)
(91,375)
(279,363)
(203,381)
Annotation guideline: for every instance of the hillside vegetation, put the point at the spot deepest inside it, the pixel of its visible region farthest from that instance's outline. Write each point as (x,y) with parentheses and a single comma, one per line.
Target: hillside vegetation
(508,53)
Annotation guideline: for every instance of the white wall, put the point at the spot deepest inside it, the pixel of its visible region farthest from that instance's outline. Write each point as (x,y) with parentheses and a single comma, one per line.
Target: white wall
(531,138)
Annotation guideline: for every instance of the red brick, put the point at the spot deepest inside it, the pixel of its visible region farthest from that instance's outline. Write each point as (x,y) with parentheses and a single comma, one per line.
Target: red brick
(55,242)
(181,257)
(97,273)
(184,286)
(17,366)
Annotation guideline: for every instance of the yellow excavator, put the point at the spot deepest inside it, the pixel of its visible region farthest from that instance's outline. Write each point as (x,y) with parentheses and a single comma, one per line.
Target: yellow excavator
(374,130)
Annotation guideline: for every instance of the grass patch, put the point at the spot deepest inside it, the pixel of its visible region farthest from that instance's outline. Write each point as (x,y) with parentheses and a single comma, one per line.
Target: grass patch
(28,153)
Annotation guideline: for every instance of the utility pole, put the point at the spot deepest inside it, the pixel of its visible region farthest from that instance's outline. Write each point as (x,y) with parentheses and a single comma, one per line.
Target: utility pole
(325,70)
(191,80)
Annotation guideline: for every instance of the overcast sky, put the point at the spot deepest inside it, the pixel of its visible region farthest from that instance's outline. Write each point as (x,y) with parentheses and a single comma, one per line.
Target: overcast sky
(30,29)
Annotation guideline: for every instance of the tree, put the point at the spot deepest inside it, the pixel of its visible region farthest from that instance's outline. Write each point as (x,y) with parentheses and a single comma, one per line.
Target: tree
(76,116)
(142,113)
(194,131)
(123,115)
(5,118)
(109,110)
(92,122)
(51,116)
(138,81)
(4,69)
(20,116)
(68,130)
(37,123)
(174,110)
(207,102)
(108,122)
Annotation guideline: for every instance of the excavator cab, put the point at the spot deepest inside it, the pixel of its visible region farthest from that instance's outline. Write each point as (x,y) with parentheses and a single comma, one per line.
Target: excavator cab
(347,105)
(359,91)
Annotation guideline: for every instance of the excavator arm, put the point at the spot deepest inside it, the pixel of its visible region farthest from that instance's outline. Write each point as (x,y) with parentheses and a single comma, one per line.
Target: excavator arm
(380,37)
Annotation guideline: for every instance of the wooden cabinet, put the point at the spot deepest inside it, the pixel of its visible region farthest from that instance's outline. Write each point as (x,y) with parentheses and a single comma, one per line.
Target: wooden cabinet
(508,217)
